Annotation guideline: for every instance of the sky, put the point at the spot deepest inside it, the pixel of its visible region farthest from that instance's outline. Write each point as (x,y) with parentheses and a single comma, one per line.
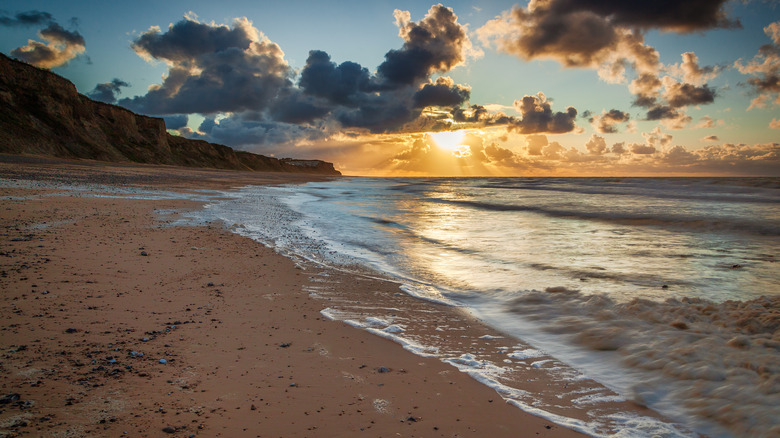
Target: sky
(462,88)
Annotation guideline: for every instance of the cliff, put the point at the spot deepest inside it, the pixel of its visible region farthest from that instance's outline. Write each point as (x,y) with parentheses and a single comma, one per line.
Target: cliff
(42,113)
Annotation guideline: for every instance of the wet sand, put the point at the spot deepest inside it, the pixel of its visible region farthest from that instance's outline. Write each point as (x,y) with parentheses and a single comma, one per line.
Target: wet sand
(114,324)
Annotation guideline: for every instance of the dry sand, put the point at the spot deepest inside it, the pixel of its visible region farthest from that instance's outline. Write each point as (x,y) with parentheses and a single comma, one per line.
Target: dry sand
(96,292)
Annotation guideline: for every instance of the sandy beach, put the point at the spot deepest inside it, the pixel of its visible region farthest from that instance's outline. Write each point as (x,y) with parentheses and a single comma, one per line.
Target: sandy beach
(116,324)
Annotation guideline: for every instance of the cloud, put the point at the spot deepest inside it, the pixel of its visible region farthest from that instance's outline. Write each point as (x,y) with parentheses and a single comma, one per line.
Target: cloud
(28,18)
(711,138)
(706,122)
(609,36)
(619,148)
(596,145)
(691,72)
(212,69)
(535,144)
(538,117)
(60,48)
(683,94)
(607,121)
(175,122)
(339,84)
(774,124)
(764,70)
(642,149)
(107,91)
(437,43)
(676,16)
(443,92)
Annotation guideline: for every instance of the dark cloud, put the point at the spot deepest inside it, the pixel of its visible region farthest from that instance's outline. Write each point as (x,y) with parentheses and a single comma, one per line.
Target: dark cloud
(340,84)
(251,129)
(61,46)
(538,117)
(662,112)
(609,36)
(764,70)
(107,91)
(296,107)
(680,95)
(607,121)
(28,18)
(213,68)
(437,43)
(188,39)
(177,121)
(672,15)
(443,92)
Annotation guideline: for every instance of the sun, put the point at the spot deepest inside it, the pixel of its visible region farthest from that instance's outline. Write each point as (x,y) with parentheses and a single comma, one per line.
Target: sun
(450,140)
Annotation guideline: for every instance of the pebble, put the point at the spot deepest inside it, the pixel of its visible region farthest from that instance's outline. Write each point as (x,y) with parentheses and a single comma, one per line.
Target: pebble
(163,361)
(383,370)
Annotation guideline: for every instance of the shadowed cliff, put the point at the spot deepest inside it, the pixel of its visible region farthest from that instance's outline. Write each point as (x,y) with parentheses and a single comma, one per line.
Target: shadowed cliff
(42,113)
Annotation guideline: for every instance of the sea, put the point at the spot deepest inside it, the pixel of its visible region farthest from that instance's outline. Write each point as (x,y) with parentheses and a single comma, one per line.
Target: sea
(664,290)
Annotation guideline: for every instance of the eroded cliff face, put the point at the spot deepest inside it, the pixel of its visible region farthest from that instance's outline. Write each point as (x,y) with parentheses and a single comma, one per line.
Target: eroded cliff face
(42,113)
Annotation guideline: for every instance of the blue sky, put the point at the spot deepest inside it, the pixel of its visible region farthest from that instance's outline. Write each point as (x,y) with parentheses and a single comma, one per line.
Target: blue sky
(496,77)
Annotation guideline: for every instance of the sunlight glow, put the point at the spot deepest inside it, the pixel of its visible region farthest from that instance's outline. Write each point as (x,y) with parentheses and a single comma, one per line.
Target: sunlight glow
(449,140)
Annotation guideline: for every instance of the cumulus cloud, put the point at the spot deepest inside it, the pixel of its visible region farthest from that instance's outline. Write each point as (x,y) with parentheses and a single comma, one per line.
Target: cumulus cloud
(642,149)
(596,145)
(177,121)
(538,116)
(107,91)
(764,70)
(443,92)
(619,148)
(60,45)
(212,68)
(606,122)
(437,43)
(657,138)
(609,36)
(774,124)
(691,72)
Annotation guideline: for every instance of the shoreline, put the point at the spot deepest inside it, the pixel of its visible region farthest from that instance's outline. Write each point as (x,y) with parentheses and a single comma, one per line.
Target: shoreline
(247,352)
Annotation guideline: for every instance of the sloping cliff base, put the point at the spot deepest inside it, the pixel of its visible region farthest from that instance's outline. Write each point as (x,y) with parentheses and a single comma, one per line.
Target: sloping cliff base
(115,323)
(42,113)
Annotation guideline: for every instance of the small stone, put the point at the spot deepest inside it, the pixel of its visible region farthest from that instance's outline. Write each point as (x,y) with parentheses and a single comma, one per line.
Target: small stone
(163,361)
(169,429)
(144,253)
(253,407)
(210,284)
(383,370)
(71,330)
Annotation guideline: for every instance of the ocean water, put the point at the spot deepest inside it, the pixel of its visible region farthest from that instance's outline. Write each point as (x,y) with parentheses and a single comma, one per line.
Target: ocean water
(665,290)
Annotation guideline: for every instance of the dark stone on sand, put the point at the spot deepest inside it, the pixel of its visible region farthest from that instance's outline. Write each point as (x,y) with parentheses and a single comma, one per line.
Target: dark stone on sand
(71,330)
(285,345)
(144,253)
(10,398)
(169,429)
(383,370)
